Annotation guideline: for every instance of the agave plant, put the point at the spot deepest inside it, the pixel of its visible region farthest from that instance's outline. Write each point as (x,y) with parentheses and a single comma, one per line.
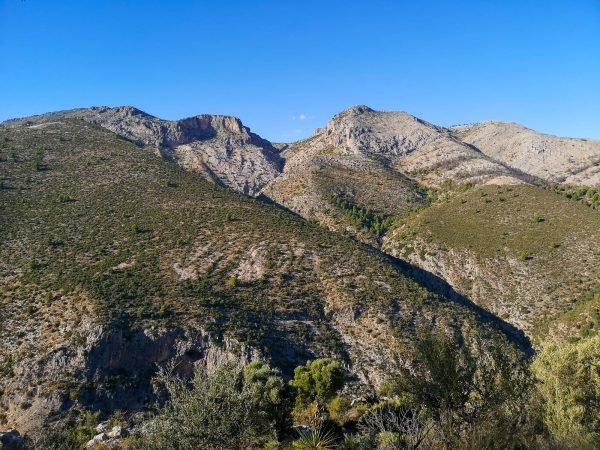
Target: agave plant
(315,439)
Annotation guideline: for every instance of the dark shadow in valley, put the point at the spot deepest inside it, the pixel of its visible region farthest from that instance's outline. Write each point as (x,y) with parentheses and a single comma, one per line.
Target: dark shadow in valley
(441,287)
(438,286)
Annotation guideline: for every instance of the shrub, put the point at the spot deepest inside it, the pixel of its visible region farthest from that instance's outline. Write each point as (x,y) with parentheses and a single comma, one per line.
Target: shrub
(318,380)
(569,376)
(466,186)
(135,228)
(73,436)
(37,165)
(339,410)
(523,256)
(465,386)
(64,198)
(231,408)
(315,439)
(394,426)
(270,396)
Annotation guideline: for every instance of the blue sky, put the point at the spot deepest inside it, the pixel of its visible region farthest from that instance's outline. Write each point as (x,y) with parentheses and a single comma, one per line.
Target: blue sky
(285,67)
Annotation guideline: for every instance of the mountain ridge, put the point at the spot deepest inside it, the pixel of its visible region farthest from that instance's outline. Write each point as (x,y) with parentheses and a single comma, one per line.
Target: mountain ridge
(247,162)
(219,148)
(115,260)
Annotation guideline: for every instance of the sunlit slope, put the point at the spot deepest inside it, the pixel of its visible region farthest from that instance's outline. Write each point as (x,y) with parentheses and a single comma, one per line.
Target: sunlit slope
(520,251)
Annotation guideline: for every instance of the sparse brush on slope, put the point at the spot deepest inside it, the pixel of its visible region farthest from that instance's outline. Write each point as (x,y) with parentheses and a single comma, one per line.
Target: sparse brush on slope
(145,268)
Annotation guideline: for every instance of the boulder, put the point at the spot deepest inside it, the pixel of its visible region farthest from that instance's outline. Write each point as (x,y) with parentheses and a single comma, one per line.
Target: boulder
(117,432)
(96,439)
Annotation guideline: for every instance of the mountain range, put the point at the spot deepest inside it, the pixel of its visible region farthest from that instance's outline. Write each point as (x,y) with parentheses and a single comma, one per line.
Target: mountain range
(128,240)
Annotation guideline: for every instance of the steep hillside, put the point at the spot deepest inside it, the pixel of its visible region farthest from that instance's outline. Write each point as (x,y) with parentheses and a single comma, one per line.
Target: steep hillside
(417,192)
(113,260)
(553,158)
(220,148)
(521,252)
(376,159)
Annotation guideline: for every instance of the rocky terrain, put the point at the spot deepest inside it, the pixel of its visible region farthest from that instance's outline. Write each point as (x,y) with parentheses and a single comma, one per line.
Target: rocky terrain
(443,204)
(513,250)
(114,260)
(406,144)
(220,148)
(552,158)
(384,161)
(117,257)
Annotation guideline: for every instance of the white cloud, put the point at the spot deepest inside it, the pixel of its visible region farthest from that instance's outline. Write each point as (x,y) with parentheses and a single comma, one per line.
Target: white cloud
(302,117)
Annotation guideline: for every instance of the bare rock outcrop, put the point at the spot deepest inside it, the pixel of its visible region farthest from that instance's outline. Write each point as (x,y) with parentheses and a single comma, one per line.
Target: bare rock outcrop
(553,158)
(361,150)
(110,367)
(219,148)
(409,145)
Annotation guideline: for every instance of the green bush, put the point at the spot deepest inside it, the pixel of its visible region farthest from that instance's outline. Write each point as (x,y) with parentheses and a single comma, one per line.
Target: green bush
(135,228)
(339,409)
(318,380)
(316,439)
(465,386)
(235,407)
(569,382)
(270,396)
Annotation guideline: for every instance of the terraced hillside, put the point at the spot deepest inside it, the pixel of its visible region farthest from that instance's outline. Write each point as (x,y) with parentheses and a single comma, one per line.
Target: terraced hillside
(113,260)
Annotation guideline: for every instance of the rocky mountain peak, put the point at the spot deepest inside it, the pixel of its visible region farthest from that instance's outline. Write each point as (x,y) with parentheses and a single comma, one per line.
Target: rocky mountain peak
(125,111)
(553,158)
(356,110)
(361,129)
(219,148)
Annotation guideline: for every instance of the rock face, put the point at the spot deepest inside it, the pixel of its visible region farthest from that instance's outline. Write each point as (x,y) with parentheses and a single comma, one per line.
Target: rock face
(377,158)
(220,148)
(407,144)
(120,360)
(556,159)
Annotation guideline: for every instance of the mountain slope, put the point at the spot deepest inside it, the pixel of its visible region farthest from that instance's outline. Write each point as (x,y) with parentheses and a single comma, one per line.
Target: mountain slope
(383,161)
(553,158)
(415,191)
(522,252)
(220,148)
(114,260)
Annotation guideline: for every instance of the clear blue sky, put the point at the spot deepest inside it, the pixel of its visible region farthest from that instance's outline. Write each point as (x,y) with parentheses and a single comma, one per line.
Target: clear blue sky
(285,67)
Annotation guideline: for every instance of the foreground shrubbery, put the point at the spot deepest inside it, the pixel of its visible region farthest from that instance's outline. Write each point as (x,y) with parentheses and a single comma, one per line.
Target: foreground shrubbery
(451,397)
(569,377)
(235,407)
